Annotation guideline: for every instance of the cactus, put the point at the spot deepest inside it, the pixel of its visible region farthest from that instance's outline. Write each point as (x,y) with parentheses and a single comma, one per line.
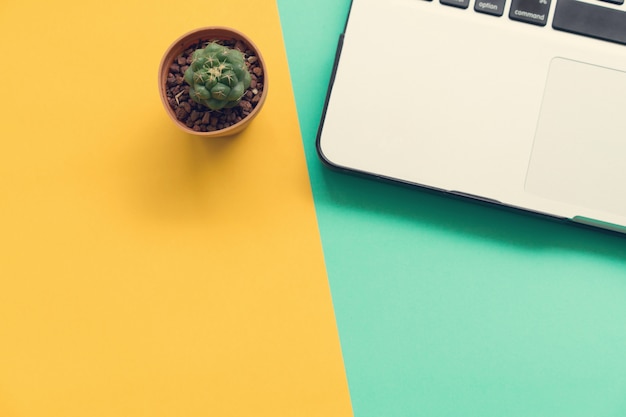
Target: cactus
(217,76)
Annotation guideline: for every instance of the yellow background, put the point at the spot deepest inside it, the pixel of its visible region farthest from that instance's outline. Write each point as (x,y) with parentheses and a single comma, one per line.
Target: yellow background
(144,272)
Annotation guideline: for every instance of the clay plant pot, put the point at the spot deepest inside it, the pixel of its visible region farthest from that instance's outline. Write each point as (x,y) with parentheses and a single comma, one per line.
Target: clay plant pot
(204,35)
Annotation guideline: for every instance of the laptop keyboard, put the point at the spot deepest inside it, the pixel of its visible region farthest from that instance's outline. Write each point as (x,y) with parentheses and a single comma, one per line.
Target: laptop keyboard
(587,19)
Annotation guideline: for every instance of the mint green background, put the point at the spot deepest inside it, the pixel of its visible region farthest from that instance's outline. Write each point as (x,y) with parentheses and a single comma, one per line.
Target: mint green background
(450,308)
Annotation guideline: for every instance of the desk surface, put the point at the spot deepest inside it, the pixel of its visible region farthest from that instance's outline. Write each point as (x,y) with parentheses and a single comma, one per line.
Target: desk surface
(144,272)
(448,308)
(147,273)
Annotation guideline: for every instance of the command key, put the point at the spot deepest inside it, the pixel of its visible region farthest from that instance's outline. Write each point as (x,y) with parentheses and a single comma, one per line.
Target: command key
(530,11)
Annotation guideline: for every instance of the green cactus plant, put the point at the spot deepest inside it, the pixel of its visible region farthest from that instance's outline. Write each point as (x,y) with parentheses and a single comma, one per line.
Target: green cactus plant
(218,76)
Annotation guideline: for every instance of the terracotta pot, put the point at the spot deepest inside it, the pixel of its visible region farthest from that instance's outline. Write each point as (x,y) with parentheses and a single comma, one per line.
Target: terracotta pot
(182,43)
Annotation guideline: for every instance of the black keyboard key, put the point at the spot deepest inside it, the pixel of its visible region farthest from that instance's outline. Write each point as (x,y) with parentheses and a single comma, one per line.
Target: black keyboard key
(493,7)
(463,4)
(530,11)
(614,1)
(590,20)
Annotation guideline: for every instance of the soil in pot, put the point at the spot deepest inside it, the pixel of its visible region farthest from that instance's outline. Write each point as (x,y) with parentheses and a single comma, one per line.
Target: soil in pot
(199,117)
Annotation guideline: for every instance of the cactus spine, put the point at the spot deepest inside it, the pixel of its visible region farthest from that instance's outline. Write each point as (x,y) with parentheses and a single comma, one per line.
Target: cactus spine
(218,76)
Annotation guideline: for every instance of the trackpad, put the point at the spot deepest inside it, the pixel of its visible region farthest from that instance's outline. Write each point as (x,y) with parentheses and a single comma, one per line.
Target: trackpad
(580,143)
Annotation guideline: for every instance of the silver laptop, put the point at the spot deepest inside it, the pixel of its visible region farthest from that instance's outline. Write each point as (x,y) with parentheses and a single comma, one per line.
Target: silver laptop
(517,102)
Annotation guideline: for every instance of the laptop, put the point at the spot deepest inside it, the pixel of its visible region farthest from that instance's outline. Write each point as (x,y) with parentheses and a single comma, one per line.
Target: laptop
(520,103)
